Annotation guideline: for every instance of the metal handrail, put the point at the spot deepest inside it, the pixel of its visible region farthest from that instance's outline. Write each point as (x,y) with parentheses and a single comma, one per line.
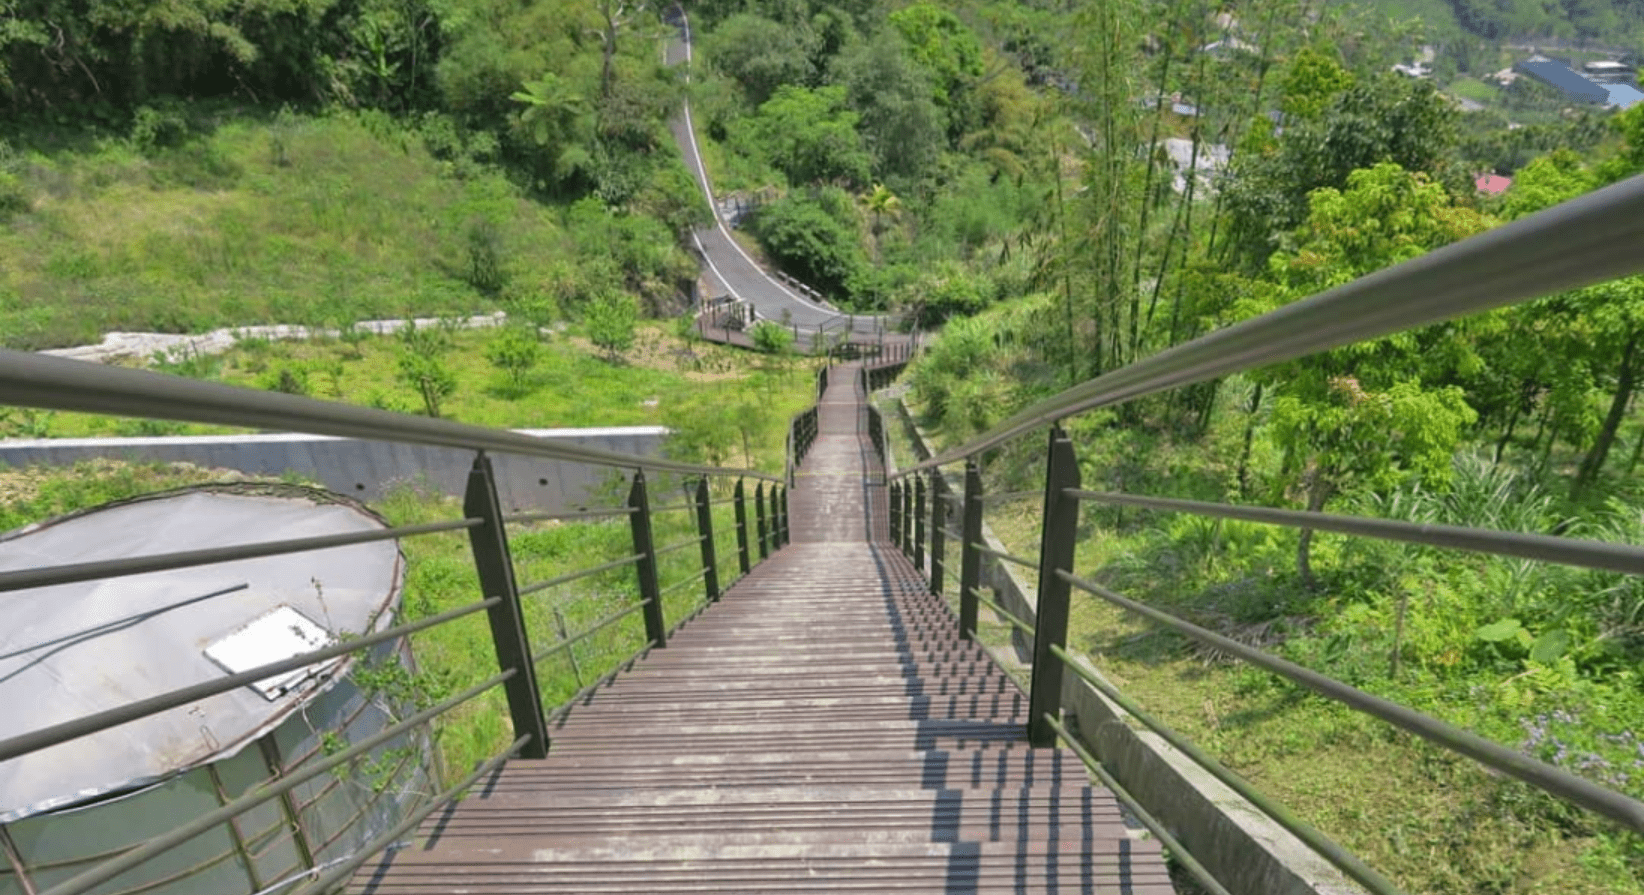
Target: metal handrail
(1306,832)
(1559,782)
(268,791)
(41,738)
(581,573)
(1547,548)
(1586,240)
(46,576)
(54,383)
(589,631)
(521,518)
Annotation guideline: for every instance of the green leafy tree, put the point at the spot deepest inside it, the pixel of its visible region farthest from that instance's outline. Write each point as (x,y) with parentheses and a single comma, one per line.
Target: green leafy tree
(516,352)
(762,55)
(901,124)
(560,122)
(807,236)
(808,135)
(946,48)
(610,320)
(770,337)
(429,377)
(1341,437)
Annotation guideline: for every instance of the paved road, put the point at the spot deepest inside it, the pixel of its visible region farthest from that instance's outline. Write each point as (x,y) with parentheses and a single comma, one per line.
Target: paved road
(728,264)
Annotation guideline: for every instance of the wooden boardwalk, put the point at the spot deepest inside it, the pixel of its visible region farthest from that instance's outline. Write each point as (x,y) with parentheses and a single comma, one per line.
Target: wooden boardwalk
(820,729)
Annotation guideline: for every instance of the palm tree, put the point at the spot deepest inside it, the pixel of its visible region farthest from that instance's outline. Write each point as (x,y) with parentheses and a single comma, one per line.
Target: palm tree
(882,203)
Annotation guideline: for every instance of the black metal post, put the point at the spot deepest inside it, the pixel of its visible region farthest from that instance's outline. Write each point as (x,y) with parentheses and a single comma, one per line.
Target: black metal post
(489,542)
(742,528)
(938,535)
(762,526)
(896,513)
(705,530)
(656,629)
(919,522)
(787,531)
(1061,528)
(970,562)
(907,520)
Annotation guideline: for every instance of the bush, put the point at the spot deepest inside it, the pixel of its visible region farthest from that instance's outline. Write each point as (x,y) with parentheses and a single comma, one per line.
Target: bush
(610,323)
(803,238)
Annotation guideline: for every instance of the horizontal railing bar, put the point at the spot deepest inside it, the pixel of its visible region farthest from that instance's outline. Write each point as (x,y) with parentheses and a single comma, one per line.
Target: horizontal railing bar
(590,631)
(35,740)
(1007,496)
(262,794)
(55,383)
(1547,548)
(1558,782)
(684,582)
(1177,852)
(675,548)
(520,518)
(985,549)
(573,576)
(1589,239)
(1306,832)
(47,576)
(601,681)
(957,537)
(1009,617)
(674,508)
(371,849)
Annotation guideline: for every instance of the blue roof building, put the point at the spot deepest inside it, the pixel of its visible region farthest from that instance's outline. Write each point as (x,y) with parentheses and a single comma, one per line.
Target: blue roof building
(1557,75)
(1623,96)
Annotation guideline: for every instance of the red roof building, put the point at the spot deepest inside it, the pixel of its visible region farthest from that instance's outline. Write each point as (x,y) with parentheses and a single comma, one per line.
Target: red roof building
(1492,184)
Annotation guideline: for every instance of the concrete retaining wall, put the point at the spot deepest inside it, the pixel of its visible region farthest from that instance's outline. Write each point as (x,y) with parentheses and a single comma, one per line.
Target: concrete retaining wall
(1240,846)
(366,469)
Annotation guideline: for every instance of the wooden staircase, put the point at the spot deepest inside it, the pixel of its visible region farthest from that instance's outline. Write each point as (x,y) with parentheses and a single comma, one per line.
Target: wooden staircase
(820,729)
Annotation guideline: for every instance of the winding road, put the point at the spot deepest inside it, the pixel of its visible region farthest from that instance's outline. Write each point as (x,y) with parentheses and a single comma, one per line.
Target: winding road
(738,275)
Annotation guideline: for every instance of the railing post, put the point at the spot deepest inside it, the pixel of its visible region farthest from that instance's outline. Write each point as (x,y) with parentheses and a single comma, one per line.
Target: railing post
(970,562)
(896,513)
(787,532)
(742,528)
(938,536)
(919,523)
(907,520)
(705,530)
(1061,528)
(759,516)
(495,565)
(656,629)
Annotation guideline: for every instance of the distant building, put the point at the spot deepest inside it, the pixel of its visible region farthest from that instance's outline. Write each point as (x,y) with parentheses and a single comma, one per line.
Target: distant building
(1624,96)
(1606,70)
(1556,75)
(1212,160)
(1492,184)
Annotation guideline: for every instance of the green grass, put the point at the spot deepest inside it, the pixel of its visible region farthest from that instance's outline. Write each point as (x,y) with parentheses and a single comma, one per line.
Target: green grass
(1474,89)
(350,219)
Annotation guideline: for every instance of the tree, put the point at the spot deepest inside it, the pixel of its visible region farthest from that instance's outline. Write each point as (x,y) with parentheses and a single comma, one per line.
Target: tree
(804,235)
(808,135)
(560,122)
(946,48)
(762,55)
(882,204)
(770,337)
(610,321)
(515,351)
(428,375)
(901,124)
(1342,437)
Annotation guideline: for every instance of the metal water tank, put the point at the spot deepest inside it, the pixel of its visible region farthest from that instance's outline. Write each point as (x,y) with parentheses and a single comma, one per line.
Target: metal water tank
(75,649)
